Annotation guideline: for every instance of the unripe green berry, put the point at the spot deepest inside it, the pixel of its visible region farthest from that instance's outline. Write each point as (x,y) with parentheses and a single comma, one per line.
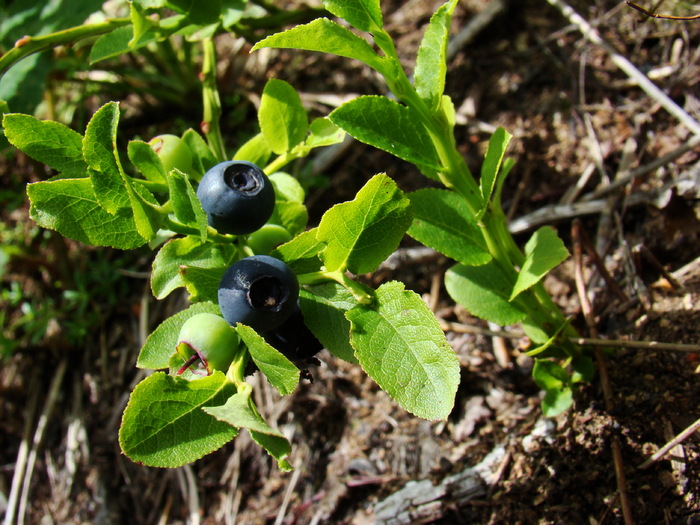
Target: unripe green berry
(173,152)
(207,340)
(267,238)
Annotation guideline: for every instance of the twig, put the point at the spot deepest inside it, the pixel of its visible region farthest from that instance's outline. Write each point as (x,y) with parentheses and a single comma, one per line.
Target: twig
(547,214)
(668,446)
(474,27)
(638,345)
(629,69)
(51,399)
(667,17)
(651,259)
(587,309)
(691,144)
(460,328)
(598,261)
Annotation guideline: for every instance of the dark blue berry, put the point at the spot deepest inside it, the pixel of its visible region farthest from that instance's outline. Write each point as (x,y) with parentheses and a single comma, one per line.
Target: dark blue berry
(259,291)
(237,197)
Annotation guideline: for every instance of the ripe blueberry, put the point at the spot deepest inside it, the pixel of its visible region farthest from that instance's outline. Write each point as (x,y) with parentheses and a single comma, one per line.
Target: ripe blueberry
(209,341)
(259,291)
(295,341)
(237,197)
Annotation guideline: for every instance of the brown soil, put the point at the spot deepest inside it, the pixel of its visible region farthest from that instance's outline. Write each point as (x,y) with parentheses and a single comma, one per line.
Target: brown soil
(569,107)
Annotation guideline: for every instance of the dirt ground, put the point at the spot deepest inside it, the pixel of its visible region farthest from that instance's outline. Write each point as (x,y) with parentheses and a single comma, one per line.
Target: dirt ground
(581,127)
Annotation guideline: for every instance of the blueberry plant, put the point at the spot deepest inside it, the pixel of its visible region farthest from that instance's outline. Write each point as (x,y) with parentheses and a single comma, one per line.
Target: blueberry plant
(266,292)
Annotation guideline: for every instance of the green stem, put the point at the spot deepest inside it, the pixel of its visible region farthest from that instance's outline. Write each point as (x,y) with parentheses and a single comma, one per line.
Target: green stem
(236,371)
(177,227)
(35,44)
(212,102)
(456,175)
(353,287)
(280,162)
(153,186)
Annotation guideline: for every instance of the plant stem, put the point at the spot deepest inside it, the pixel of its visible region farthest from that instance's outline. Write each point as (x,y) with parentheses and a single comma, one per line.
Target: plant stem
(35,44)
(456,175)
(236,371)
(212,102)
(177,227)
(280,162)
(150,185)
(353,287)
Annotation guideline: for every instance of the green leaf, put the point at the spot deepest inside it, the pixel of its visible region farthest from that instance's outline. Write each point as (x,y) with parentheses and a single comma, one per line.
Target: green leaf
(50,143)
(389,126)
(327,37)
(324,307)
(361,233)
(399,343)
(140,23)
(256,150)
(365,15)
(70,207)
(443,222)
(199,13)
(161,343)
(549,375)
(484,291)
(280,371)
(544,251)
(287,188)
(324,133)
(186,205)
(100,153)
(185,251)
(202,157)
(583,369)
(240,412)
(164,424)
(556,402)
(112,44)
(293,216)
(146,160)
(556,382)
(233,11)
(282,117)
(301,253)
(498,143)
(144,207)
(550,341)
(202,283)
(431,64)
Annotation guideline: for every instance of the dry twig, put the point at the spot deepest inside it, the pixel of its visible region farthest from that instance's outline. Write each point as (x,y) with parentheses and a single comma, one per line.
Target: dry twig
(587,309)
(627,67)
(694,427)
(655,15)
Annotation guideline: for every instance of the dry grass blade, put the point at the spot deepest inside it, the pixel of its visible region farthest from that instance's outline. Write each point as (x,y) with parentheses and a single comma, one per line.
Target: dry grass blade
(656,15)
